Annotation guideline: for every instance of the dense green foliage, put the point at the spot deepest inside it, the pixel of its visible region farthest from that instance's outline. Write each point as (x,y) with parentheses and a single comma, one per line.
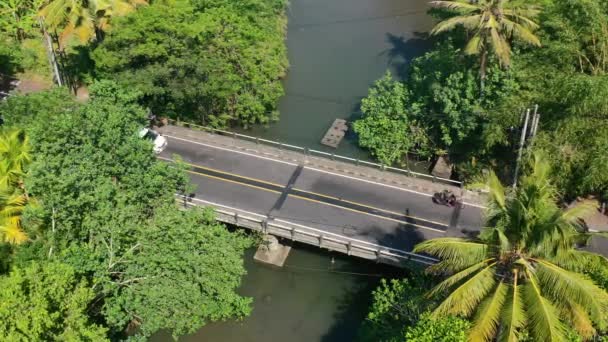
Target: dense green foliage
(430,329)
(14,159)
(567,77)
(570,81)
(212,62)
(399,312)
(182,270)
(444,109)
(46,302)
(9,61)
(522,274)
(491,25)
(84,20)
(18,18)
(106,208)
(386,128)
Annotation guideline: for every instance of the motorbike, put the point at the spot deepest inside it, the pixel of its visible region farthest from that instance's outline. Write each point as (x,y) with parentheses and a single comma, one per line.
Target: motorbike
(445,197)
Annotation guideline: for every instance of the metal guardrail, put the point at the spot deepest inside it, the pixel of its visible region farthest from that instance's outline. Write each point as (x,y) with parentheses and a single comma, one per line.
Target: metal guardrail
(311,152)
(309,235)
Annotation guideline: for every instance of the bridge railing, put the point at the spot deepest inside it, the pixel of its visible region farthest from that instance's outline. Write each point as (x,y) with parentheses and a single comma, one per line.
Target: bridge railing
(311,152)
(310,235)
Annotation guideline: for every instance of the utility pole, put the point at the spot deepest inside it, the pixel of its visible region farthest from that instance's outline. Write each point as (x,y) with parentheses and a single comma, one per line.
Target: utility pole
(536,120)
(525,133)
(521,147)
(50,53)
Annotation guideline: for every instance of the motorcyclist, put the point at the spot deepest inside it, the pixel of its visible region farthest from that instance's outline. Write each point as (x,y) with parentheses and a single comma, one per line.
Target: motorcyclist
(446,197)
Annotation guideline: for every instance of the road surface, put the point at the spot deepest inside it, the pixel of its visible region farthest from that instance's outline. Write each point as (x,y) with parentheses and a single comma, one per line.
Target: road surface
(382,214)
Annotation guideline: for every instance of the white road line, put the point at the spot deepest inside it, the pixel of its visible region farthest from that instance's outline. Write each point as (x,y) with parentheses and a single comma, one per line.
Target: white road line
(235,151)
(369,181)
(227,207)
(386,185)
(313,229)
(319,170)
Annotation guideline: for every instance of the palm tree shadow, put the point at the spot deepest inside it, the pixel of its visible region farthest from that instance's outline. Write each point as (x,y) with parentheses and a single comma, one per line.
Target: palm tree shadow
(403,51)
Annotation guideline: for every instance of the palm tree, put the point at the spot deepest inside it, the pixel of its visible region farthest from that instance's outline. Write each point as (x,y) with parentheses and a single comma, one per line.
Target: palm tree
(14,158)
(521,272)
(490,24)
(11,210)
(85,19)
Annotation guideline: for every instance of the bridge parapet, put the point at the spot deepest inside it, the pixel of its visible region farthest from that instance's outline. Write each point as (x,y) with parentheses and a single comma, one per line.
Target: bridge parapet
(309,235)
(322,160)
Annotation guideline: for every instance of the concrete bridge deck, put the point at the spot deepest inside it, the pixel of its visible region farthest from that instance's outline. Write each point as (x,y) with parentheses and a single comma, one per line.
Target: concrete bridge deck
(349,208)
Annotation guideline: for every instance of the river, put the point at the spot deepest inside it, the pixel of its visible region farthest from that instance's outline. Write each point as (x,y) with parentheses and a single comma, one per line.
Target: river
(337,48)
(316,296)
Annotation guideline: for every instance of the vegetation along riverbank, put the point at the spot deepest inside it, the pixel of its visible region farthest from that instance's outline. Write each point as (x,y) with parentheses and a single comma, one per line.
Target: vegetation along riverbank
(94,248)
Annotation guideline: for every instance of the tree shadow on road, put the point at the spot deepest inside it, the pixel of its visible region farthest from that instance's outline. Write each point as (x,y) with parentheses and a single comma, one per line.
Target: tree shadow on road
(403,237)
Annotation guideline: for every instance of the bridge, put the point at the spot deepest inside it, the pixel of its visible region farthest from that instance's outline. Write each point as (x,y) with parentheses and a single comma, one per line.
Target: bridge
(334,202)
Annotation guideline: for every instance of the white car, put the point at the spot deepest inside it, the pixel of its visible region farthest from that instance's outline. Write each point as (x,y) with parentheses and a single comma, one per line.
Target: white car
(158,140)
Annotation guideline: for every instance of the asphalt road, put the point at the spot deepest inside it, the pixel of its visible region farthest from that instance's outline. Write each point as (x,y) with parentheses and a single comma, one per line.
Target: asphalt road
(386,215)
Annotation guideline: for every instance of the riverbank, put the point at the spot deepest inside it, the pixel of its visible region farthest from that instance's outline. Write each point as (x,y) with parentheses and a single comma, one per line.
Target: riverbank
(336,50)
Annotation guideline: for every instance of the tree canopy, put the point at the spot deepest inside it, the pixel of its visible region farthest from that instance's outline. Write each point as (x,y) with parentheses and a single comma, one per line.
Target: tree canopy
(106,208)
(522,273)
(212,62)
(400,312)
(491,24)
(84,20)
(565,76)
(386,128)
(47,302)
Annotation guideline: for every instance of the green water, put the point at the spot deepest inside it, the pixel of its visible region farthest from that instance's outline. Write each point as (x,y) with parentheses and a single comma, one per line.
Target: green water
(337,48)
(316,296)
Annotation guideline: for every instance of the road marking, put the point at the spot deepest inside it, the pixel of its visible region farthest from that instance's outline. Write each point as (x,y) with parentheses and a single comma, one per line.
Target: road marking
(386,185)
(371,207)
(368,214)
(312,193)
(318,170)
(231,150)
(313,200)
(316,201)
(225,206)
(313,229)
(235,182)
(226,173)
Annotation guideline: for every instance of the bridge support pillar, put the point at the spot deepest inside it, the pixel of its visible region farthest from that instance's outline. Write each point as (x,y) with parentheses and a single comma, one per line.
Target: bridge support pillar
(271,251)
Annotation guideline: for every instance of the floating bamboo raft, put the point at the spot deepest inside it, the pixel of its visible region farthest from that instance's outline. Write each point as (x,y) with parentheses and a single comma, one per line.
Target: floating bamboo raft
(335,133)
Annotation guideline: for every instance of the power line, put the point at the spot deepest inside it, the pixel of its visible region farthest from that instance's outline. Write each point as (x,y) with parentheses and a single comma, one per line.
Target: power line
(321,270)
